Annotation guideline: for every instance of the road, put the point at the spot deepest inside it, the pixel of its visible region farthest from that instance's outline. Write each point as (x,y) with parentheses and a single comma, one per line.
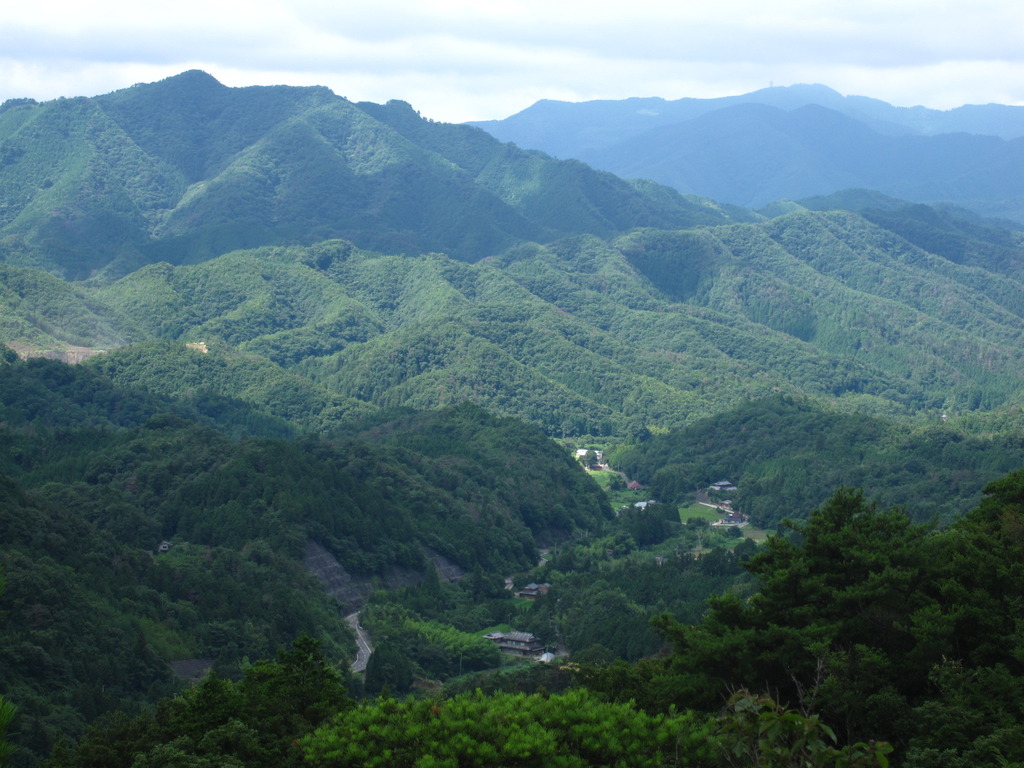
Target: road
(362,643)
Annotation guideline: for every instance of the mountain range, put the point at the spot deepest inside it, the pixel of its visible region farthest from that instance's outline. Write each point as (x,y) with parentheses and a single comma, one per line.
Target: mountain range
(790,143)
(322,350)
(567,297)
(186,169)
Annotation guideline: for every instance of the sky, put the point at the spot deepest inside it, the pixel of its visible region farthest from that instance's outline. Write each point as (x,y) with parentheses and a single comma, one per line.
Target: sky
(461,60)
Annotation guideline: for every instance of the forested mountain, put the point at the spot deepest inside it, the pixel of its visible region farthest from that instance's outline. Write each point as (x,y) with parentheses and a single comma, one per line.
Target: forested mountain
(567,127)
(649,330)
(894,640)
(894,309)
(322,350)
(789,143)
(884,628)
(693,332)
(787,457)
(186,168)
(95,477)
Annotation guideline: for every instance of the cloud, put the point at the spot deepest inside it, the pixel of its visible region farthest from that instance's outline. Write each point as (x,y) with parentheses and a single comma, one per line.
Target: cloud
(473,59)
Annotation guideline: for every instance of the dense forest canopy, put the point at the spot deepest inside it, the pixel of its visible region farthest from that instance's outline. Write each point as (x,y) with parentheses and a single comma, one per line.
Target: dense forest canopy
(321,365)
(648,331)
(885,638)
(186,169)
(96,477)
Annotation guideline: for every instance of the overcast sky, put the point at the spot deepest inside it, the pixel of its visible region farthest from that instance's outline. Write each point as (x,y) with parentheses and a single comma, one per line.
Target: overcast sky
(457,60)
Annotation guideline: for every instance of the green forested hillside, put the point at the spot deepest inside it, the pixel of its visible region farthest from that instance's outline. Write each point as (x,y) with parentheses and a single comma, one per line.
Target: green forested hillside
(650,330)
(883,628)
(186,169)
(788,143)
(628,324)
(893,644)
(944,230)
(787,457)
(330,343)
(95,477)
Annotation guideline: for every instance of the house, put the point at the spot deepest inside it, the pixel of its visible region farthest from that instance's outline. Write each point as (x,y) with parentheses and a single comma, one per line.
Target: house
(516,643)
(722,485)
(634,486)
(532,591)
(581,455)
(732,518)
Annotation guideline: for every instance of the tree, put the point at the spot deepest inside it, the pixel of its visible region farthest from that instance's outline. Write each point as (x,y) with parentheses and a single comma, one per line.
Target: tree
(254,722)
(388,669)
(7,713)
(570,730)
(295,693)
(755,732)
(828,627)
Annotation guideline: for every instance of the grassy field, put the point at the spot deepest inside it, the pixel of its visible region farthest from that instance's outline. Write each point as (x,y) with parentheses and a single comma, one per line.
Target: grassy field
(699,511)
(707,513)
(604,478)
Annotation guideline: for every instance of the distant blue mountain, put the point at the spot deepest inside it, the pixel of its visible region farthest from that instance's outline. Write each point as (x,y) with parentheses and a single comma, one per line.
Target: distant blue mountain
(787,143)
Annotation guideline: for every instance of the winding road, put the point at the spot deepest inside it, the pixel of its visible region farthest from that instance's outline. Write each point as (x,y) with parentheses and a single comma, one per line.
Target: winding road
(362,643)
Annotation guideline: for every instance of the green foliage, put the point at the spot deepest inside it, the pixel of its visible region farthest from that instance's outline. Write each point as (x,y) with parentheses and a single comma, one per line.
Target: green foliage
(970,721)
(886,629)
(254,722)
(650,330)
(789,455)
(610,603)
(7,713)
(598,614)
(41,311)
(73,642)
(247,393)
(187,169)
(185,432)
(429,648)
(570,729)
(960,238)
(756,731)
(388,669)
(93,617)
(607,586)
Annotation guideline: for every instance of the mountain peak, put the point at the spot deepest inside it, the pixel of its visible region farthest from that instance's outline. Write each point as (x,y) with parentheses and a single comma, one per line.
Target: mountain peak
(193,78)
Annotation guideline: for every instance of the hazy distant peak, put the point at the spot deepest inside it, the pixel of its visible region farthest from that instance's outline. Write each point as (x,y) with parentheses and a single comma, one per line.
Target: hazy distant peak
(802,91)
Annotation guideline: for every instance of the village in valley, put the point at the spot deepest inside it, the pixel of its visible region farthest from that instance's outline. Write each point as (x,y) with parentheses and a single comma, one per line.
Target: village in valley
(717,496)
(718,513)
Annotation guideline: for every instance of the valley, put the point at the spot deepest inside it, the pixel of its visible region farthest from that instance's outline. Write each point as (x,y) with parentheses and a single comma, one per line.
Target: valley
(347,364)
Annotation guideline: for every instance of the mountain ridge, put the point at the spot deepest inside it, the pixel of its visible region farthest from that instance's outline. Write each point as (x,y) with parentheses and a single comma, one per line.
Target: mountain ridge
(185,169)
(1004,121)
(336,328)
(650,329)
(783,143)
